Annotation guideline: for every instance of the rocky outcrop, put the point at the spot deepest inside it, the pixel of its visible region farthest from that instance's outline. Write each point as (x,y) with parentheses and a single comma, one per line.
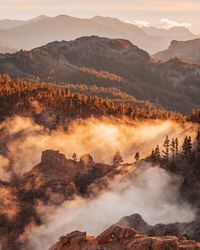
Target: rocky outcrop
(136,222)
(190,230)
(186,50)
(86,160)
(117,238)
(57,176)
(51,182)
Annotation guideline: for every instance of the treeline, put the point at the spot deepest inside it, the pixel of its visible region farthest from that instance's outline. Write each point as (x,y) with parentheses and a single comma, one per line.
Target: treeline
(18,96)
(194,116)
(171,149)
(184,161)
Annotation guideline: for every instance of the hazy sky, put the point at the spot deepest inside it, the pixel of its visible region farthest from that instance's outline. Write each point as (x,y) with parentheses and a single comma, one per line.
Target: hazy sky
(157,12)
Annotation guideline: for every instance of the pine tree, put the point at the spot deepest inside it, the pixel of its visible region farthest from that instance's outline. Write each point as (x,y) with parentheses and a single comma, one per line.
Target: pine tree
(137,156)
(166,146)
(189,146)
(173,148)
(153,155)
(198,141)
(176,148)
(117,159)
(74,157)
(185,147)
(157,153)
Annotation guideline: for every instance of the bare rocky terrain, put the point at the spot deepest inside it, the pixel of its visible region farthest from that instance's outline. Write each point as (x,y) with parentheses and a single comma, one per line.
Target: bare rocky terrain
(117,238)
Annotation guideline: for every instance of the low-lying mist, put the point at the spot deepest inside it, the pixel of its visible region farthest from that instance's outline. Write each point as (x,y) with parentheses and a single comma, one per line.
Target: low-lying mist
(151,192)
(22,140)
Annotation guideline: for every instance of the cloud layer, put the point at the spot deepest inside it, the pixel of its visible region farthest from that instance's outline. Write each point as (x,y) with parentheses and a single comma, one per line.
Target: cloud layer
(163,23)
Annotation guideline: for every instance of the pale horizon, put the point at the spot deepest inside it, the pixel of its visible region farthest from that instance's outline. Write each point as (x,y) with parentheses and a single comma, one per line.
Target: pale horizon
(158,13)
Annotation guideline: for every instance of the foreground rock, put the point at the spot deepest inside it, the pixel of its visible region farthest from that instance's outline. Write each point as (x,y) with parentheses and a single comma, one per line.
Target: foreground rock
(117,238)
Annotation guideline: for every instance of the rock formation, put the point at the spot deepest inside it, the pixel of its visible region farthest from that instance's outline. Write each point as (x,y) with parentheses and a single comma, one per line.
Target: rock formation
(117,238)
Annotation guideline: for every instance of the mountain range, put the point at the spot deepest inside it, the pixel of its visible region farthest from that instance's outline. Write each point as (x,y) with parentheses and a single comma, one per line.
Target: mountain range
(110,63)
(38,31)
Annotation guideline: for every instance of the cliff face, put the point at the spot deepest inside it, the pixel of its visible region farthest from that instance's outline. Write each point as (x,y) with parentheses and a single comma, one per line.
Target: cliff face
(117,238)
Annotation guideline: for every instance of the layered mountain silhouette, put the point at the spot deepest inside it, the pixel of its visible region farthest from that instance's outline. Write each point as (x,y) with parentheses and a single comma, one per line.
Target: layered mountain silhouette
(41,30)
(110,63)
(6,24)
(187,50)
(168,35)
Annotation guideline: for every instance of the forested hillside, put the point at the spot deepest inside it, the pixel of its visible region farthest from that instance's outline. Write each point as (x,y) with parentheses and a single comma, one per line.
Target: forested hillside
(183,160)
(59,103)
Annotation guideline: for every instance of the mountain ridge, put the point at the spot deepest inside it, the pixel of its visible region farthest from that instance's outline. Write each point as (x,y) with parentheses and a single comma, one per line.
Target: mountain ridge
(109,63)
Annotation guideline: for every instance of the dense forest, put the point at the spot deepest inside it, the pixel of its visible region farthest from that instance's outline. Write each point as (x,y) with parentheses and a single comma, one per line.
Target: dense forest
(183,160)
(64,102)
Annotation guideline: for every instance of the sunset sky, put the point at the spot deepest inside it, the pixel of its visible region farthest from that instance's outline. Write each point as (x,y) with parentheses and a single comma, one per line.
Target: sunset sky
(150,12)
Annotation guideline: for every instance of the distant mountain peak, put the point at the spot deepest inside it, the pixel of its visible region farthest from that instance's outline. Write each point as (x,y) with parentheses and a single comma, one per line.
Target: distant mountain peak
(186,50)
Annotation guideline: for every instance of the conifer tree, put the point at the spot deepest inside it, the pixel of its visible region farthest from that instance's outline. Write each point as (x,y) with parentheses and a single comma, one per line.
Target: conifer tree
(187,147)
(117,159)
(173,148)
(198,141)
(137,156)
(74,157)
(176,148)
(153,155)
(166,146)
(157,153)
